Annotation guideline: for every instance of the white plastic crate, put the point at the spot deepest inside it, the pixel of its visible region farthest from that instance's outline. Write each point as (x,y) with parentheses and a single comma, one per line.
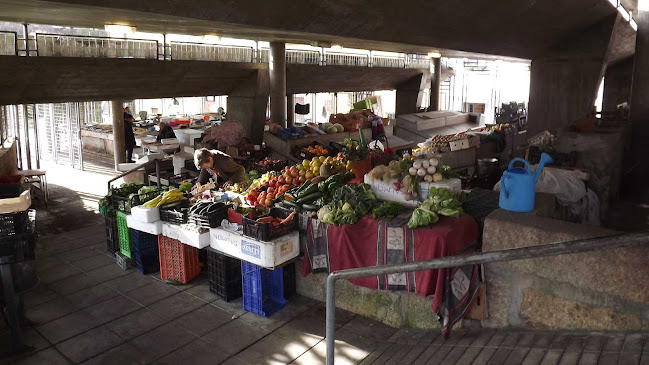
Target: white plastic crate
(146,215)
(266,254)
(146,227)
(186,236)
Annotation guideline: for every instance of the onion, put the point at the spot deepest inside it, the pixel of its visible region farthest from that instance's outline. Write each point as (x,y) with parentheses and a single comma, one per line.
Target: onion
(437,177)
(406,155)
(433,161)
(421,172)
(425,164)
(431,170)
(412,171)
(428,178)
(416,164)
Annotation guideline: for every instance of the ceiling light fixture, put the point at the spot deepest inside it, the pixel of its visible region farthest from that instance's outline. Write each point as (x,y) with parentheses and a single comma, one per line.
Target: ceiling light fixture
(434,54)
(211,37)
(336,47)
(119,29)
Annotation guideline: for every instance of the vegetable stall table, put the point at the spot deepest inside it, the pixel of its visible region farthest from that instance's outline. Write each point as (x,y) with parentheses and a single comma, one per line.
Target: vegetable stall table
(372,242)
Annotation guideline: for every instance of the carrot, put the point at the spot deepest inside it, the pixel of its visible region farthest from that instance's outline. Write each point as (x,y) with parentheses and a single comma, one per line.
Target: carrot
(266,219)
(289,218)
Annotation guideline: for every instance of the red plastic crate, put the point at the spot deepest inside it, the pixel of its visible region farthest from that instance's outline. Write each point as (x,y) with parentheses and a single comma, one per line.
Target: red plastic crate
(178,261)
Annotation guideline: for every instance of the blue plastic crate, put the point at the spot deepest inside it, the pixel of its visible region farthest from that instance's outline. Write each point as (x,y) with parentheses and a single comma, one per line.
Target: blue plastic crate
(291,132)
(145,249)
(263,289)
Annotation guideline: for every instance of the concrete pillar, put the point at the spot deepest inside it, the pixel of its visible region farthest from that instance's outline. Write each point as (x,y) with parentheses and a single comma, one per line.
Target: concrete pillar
(247,104)
(638,156)
(277,70)
(410,95)
(617,84)
(290,110)
(435,82)
(119,145)
(565,80)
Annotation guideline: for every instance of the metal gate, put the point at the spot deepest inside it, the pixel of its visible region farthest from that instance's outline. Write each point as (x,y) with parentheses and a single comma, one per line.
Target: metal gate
(59,133)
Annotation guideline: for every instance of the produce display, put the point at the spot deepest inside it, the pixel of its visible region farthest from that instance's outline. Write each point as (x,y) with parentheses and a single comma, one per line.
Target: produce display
(330,128)
(439,202)
(348,204)
(171,196)
(410,172)
(388,210)
(268,161)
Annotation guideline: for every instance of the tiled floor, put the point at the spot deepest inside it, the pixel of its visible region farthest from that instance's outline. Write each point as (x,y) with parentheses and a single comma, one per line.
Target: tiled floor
(91,311)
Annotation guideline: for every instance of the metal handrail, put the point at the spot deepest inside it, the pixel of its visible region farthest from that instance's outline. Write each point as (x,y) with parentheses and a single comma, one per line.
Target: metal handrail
(388,61)
(553,249)
(154,44)
(15,34)
(212,46)
(155,162)
(341,59)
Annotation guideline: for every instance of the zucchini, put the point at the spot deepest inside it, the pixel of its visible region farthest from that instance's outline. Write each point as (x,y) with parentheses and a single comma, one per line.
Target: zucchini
(304,187)
(310,207)
(308,191)
(309,198)
(293,205)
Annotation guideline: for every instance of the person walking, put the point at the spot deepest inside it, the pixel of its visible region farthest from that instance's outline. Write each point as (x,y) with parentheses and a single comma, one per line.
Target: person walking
(129,136)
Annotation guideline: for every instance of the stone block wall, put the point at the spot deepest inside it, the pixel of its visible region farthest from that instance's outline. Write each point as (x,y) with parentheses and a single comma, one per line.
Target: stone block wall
(598,291)
(396,309)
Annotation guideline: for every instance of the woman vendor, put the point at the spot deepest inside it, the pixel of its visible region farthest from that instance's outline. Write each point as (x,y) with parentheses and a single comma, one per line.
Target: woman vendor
(213,163)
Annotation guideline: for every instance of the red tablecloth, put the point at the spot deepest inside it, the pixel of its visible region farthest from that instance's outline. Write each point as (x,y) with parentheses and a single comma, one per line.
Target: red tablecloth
(375,243)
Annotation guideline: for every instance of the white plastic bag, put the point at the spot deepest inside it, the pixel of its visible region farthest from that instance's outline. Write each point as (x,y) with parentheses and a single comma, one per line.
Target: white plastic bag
(565,186)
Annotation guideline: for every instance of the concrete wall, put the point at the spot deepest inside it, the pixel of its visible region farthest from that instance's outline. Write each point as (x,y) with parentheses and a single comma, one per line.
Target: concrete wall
(599,291)
(564,83)
(410,94)
(617,84)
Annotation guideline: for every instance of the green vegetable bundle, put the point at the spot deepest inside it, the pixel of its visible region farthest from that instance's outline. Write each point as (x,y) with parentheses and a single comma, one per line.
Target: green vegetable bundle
(388,210)
(348,204)
(440,202)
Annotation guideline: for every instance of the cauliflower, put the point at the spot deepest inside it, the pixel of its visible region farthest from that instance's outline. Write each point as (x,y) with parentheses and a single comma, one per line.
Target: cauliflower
(347,207)
(324,211)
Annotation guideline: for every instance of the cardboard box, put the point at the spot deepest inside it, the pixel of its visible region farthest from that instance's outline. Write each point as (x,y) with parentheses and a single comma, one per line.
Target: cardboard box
(386,192)
(186,236)
(146,227)
(266,254)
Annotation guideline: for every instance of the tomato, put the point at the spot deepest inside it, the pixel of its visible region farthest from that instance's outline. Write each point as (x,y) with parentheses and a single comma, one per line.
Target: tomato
(281,180)
(270,196)
(289,179)
(272,183)
(270,190)
(268,203)
(253,193)
(295,173)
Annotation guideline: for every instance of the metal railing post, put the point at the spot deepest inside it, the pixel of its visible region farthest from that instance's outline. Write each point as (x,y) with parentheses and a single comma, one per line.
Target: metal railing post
(553,249)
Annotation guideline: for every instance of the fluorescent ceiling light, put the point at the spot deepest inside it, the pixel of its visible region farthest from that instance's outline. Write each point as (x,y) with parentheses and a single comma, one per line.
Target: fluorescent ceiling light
(116,28)
(434,54)
(211,37)
(634,25)
(336,47)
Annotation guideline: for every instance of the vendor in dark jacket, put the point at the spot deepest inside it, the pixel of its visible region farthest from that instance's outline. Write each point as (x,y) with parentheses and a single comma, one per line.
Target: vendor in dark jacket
(213,163)
(165,132)
(129,136)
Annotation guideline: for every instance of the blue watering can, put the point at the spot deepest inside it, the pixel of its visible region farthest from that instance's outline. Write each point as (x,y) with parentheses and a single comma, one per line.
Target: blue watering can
(517,185)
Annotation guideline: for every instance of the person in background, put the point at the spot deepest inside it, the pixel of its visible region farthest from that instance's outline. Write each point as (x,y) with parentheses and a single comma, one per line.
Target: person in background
(129,136)
(165,132)
(213,163)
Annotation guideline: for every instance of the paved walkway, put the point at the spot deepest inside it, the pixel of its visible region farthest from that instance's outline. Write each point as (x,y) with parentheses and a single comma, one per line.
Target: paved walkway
(91,311)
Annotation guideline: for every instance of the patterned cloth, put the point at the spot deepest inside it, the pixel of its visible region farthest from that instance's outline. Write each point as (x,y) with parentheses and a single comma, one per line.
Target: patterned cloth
(376,243)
